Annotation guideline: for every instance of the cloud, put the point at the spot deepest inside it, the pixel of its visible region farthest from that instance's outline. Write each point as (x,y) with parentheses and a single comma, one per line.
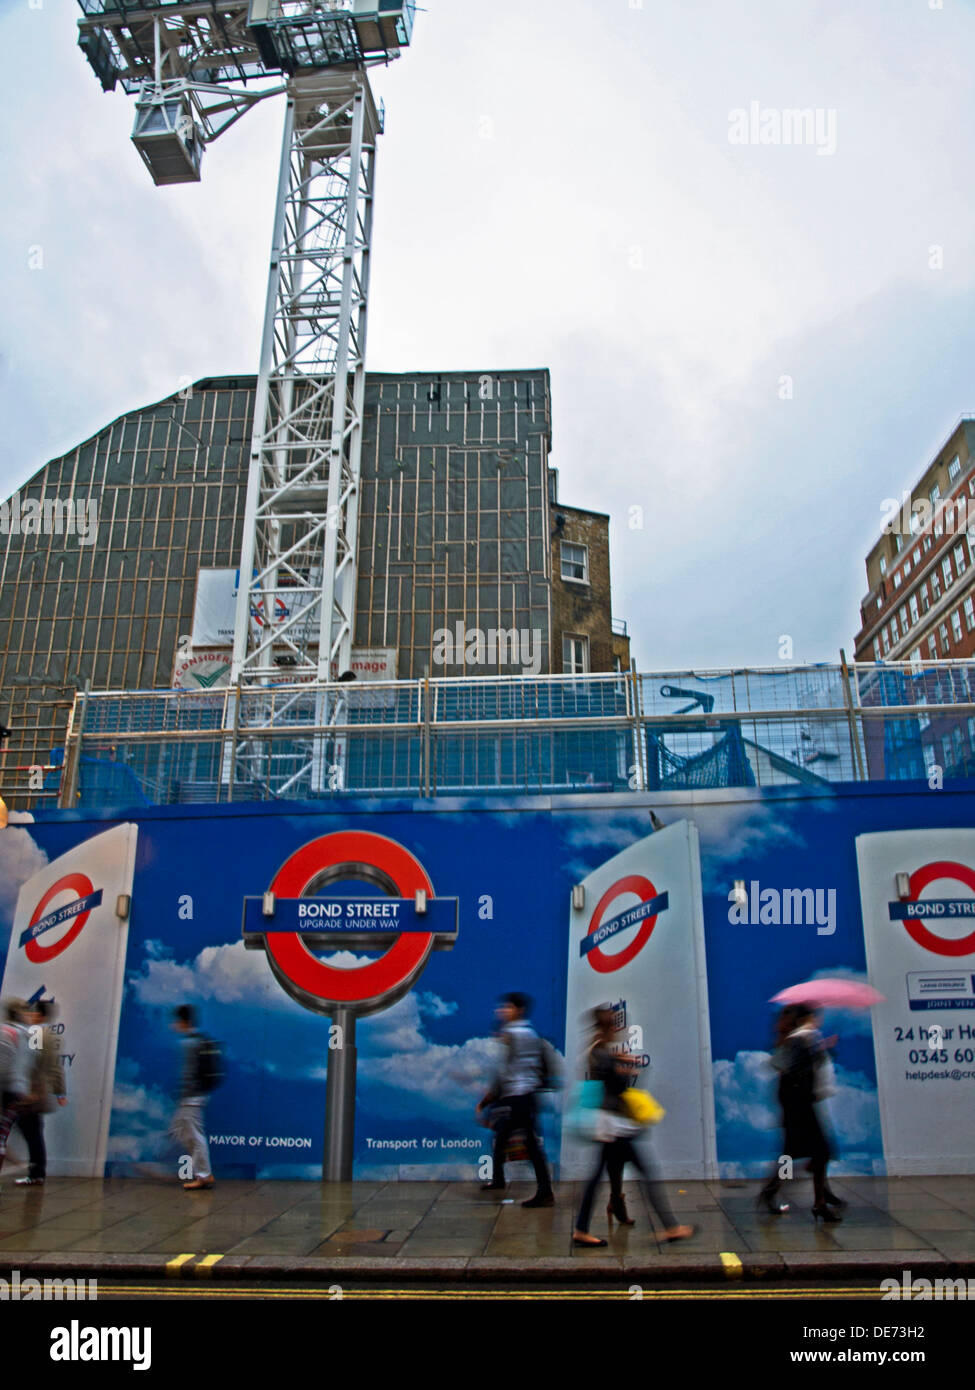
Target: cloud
(453,1076)
(606,834)
(436,1007)
(227,974)
(744,1091)
(20,859)
(140,1118)
(738,831)
(731,832)
(748,1120)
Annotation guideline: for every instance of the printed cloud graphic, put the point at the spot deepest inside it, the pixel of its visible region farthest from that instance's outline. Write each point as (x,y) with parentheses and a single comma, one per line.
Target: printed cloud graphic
(140,1117)
(748,1117)
(393,1048)
(736,833)
(20,859)
(452,1076)
(730,833)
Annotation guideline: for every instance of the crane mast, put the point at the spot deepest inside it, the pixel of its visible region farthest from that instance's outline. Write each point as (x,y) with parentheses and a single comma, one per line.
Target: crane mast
(195,68)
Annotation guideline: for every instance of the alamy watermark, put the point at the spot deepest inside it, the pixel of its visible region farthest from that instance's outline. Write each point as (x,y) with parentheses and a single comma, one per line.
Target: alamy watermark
(473,646)
(18,1290)
(772,125)
(910,518)
(52,516)
(927,1289)
(754,906)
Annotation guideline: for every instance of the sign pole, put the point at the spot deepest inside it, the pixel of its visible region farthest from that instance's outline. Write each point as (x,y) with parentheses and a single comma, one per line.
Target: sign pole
(340,1100)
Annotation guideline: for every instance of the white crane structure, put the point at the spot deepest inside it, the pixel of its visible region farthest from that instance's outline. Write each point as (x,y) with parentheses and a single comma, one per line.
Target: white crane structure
(195,67)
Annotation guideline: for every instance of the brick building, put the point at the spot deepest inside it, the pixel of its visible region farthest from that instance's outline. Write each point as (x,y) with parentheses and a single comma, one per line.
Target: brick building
(921,600)
(585,636)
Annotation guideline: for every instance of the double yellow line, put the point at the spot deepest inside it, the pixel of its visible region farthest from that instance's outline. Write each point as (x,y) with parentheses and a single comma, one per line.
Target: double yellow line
(180,1265)
(226,1291)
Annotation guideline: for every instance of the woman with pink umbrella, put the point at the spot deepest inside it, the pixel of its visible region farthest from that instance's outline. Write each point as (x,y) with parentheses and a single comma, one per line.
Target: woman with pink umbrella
(802,1061)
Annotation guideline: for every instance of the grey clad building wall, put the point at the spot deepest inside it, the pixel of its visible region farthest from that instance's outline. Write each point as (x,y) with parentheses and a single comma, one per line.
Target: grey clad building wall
(167,484)
(454,518)
(454,528)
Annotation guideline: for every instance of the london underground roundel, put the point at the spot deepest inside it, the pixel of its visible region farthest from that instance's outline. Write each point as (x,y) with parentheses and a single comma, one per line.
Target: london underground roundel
(917,927)
(602,928)
(39,951)
(364,989)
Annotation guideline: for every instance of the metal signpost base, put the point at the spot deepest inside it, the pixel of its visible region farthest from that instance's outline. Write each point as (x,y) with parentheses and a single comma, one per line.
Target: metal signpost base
(340,1101)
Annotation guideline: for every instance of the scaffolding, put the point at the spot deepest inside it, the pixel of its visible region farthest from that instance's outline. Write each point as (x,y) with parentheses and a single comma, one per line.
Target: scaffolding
(551,735)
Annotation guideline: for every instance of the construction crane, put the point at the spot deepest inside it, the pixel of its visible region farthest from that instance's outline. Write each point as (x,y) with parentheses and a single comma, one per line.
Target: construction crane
(195,67)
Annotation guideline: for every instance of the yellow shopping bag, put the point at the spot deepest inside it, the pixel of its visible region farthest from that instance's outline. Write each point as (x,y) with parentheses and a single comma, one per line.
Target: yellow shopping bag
(641,1107)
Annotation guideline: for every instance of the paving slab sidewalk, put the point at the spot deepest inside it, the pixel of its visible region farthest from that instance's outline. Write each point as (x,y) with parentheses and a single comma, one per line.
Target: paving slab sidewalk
(423,1231)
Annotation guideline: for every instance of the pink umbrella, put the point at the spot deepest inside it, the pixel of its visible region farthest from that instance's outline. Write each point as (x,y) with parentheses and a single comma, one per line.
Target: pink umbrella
(832,994)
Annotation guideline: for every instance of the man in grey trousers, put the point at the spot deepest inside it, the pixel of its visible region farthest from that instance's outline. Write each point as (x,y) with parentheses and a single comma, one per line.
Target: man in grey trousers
(519,1080)
(187,1128)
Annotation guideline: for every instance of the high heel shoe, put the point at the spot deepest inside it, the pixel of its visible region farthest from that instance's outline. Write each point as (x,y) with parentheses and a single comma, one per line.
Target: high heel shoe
(824,1212)
(766,1200)
(617,1208)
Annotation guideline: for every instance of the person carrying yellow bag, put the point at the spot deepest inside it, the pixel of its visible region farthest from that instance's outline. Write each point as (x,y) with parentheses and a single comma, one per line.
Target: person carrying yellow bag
(625,1111)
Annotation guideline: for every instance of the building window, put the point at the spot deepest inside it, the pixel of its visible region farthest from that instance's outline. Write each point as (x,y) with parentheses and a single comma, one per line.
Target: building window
(883,564)
(897,580)
(575,655)
(935,493)
(886,640)
(876,650)
(929,756)
(895,633)
(917,555)
(946,748)
(935,586)
(943,634)
(932,648)
(898,542)
(913,605)
(954,468)
(946,571)
(907,568)
(903,613)
(960,561)
(927,544)
(575,562)
(970,613)
(971,733)
(956,625)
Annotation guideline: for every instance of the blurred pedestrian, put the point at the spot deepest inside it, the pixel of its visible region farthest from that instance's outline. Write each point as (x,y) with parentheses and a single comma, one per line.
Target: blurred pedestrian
(14,1069)
(616,1071)
(801,1058)
(523,1074)
(46,1088)
(187,1128)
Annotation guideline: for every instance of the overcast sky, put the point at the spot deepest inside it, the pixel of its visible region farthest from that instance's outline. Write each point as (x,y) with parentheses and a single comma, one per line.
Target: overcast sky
(562,185)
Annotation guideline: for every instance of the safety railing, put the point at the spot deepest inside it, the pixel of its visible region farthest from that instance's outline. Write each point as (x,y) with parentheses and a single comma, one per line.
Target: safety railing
(808,726)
